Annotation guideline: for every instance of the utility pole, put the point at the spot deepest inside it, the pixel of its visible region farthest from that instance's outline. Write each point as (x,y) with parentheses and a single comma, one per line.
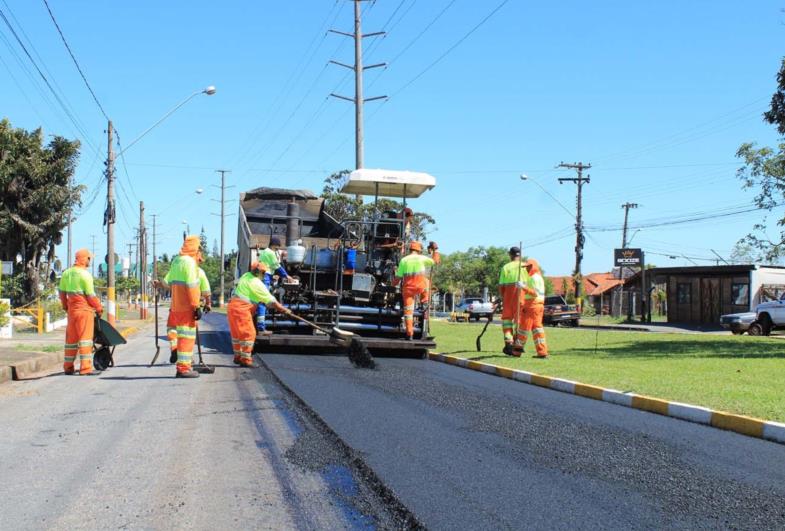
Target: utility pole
(142,262)
(68,259)
(109,221)
(358,69)
(223,198)
(580,239)
(626,207)
(92,262)
(155,268)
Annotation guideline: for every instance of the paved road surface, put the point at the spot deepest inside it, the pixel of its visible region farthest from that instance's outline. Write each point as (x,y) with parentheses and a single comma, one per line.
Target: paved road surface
(136,449)
(465,450)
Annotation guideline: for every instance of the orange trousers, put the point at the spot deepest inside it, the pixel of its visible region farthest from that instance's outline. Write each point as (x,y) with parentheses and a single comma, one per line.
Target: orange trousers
(410,296)
(243,331)
(531,320)
(511,296)
(181,331)
(79,340)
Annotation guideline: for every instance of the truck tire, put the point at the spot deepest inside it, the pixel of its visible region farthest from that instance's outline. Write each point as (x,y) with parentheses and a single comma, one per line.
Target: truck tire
(766,324)
(755,329)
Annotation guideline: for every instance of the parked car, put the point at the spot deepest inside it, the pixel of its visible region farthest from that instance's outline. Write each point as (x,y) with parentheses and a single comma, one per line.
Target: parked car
(769,316)
(738,323)
(557,312)
(475,309)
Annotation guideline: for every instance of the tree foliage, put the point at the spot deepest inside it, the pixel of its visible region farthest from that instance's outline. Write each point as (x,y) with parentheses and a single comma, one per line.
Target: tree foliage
(38,193)
(764,170)
(345,207)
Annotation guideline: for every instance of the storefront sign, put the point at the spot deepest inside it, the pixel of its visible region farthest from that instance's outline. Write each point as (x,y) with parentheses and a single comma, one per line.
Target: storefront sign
(627,257)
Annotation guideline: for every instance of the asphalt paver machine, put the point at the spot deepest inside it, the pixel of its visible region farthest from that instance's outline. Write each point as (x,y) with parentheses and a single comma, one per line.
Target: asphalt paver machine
(341,271)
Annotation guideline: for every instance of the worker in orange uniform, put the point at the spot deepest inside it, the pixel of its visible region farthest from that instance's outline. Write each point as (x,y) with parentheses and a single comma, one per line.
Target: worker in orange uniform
(77,296)
(413,272)
(241,312)
(512,278)
(533,308)
(183,280)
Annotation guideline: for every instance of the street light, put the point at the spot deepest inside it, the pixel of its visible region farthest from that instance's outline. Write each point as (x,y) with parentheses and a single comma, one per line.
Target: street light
(209,91)
(109,216)
(525,177)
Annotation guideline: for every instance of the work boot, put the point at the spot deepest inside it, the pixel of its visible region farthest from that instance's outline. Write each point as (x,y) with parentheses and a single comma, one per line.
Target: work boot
(237,360)
(90,373)
(409,338)
(68,372)
(517,350)
(247,364)
(187,374)
(173,356)
(540,356)
(507,349)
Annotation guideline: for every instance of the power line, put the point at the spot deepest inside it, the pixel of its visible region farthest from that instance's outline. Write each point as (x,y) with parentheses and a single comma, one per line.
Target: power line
(76,63)
(57,97)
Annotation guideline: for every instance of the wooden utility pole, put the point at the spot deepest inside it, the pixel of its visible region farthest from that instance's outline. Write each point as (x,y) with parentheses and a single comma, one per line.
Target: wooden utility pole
(358,69)
(109,221)
(626,207)
(580,239)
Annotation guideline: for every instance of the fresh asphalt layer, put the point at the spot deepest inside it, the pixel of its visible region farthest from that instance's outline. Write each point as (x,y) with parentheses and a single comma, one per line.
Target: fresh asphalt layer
(135,448)
(466,450)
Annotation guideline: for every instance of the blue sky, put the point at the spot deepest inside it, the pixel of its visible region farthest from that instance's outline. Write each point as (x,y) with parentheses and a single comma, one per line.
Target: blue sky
(656,95)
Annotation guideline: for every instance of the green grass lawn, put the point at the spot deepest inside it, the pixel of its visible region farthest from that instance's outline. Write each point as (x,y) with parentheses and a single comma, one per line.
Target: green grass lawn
(740,374)
(38,348)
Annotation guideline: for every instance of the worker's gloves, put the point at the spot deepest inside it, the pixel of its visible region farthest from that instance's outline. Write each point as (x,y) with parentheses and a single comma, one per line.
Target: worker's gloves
(197,314)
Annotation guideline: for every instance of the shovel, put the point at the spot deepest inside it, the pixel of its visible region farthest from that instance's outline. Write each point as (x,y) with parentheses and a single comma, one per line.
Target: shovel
(202,367)
(477,343)
(356,350)
(157,347)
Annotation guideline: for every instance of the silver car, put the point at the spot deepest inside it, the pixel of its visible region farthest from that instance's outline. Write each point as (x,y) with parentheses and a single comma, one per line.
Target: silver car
(738,323)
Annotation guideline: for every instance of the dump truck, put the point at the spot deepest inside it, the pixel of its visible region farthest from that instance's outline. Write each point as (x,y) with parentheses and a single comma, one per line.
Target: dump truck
(341,272)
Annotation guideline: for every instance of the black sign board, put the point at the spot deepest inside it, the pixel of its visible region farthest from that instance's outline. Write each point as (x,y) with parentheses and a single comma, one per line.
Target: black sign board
(627,257)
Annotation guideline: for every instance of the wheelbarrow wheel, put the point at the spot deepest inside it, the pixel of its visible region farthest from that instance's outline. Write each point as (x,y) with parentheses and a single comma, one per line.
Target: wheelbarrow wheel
(102,359)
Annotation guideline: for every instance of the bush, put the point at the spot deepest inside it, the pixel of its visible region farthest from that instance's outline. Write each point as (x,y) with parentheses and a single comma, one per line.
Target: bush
(588,310)
(4,308)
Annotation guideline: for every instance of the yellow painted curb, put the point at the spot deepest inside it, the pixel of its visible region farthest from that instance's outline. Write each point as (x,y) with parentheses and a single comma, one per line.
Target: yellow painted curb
(128,331)
(762,429)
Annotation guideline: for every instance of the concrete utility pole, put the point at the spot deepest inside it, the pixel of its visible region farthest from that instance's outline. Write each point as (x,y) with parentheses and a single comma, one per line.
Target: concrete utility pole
(109,221)
(155,256)
(358,68)
(223,199)
(626,207)
(68,259)
(580,239)
(92,262)
(142,262)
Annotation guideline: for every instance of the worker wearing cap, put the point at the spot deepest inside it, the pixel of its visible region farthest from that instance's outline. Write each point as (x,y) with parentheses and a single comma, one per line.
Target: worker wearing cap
(78,298)
(183,280)
(413,273)
(533,308)
(249,293)
(270,258)
(512,278)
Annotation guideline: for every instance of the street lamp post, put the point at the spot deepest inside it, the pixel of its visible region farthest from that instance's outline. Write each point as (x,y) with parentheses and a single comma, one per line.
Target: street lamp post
(109,215)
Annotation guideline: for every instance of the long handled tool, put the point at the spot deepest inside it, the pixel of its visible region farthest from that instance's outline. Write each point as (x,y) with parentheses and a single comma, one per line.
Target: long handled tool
(517,348)
(357,351)
(157,346)
(477,343)
(202,367)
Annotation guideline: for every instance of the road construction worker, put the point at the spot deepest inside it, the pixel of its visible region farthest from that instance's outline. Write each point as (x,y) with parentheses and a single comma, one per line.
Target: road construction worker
(413,272)
(533,307)
(270,257)
(78,298)
(183,280)
(512,278)
(249,293)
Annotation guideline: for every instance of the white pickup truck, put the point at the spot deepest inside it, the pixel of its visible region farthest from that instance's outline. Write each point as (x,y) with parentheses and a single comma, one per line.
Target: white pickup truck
(769,316)
(476,309)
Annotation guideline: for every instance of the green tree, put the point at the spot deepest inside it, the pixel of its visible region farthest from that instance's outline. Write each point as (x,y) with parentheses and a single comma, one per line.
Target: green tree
(38,194)
(345,207)
(764,170)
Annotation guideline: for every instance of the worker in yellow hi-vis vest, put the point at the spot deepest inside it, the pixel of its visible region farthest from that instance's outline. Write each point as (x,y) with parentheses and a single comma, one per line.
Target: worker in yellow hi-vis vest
(78,298)
(413,272)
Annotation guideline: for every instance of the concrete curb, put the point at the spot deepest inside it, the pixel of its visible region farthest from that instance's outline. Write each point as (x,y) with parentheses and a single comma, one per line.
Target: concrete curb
(762,429)
(43,362)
